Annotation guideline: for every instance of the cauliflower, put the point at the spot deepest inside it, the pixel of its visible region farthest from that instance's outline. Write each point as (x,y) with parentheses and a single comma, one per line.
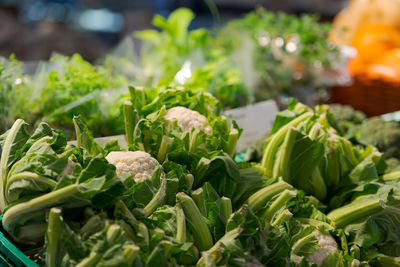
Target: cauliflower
(139,164)
(187,119)
(326,245)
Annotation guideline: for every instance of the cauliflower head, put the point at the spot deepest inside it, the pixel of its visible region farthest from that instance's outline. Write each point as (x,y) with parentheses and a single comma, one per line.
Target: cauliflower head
(187,119)
(139,164)
(327,245)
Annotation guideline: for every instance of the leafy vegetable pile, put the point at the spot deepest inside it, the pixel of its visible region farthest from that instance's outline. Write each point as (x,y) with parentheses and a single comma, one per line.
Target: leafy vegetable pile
(315,199)
(307,150)
(374,131)
(60,89)
(288,54)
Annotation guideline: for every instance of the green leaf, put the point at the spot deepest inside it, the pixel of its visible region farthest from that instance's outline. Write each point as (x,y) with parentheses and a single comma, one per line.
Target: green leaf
(30,212)
(365,171)
(27,184)
(97,166)
(165,218)
(15,140)
(84,138)
(378,228)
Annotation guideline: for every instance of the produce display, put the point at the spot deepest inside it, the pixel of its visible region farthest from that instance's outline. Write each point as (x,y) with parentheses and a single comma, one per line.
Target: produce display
(237,63)
(178,198)
(322,189)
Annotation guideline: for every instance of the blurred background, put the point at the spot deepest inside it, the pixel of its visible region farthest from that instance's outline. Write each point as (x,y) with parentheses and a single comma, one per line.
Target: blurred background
(33,30)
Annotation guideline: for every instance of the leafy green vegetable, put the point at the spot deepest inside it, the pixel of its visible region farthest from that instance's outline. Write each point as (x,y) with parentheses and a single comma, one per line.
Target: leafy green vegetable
(370,222)
(346,116)
(164,53)
(39,173)
(202,154)
(306,149)
(315,200)
(14,92)
(281,51)
(14,140)
(60,89)
(372,131)
(383,135)
(84,138)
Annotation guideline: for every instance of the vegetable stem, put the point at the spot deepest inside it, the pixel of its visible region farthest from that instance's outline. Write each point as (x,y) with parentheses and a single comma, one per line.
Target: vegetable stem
(278,203)
(138,97)
(232,141)
(90,261)
(130,253)
(333,164)
(320,190)
(354,211)
(189,180)
(193,141)
(262,196)
(195,221)
(91,225)
(281,165)
(198,197)
(296,248)
(388,261)
(38,204)
(158,198)
(180,224)
(283,216)
(53,237)
(392,176)
(163,149)
(226,208)
(228,241)
(130,121)
(276,140)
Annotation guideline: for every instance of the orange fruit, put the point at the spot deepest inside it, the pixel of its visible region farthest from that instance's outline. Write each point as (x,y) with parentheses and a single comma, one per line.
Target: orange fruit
(356,65)
(386,67)
(348,21)
(373,40)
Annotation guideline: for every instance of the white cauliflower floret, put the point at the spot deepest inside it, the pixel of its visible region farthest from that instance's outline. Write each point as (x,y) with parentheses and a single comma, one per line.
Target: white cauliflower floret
(139,164)
(327,245)
(187,119)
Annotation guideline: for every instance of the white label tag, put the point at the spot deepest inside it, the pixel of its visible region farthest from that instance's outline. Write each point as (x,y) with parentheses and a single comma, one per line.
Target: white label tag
(255,120)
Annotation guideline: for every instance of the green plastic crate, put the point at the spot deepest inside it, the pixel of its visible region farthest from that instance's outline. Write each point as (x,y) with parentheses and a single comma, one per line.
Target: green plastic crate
(10,255)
